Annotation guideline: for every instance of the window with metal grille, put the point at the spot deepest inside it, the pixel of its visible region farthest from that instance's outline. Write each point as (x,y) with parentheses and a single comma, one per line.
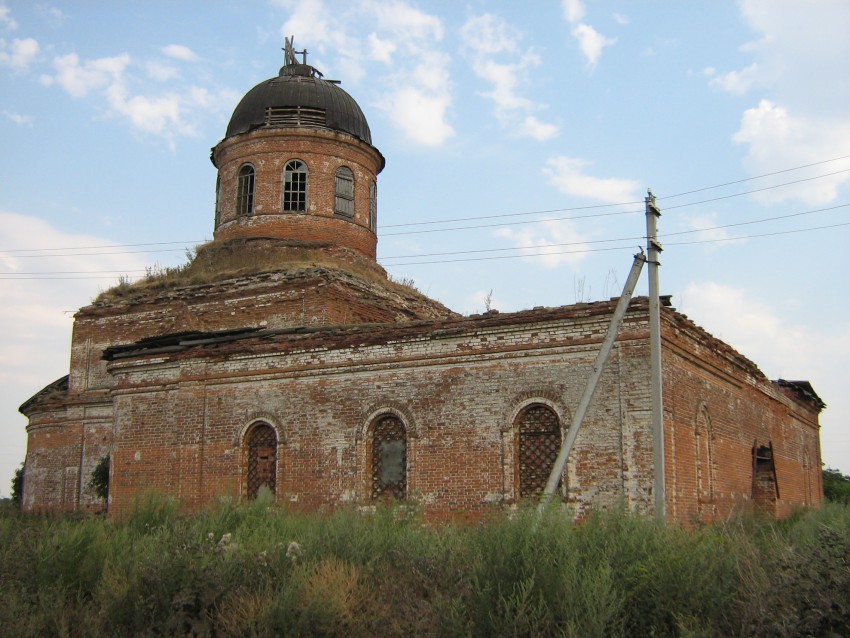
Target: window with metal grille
(295,186)
(295,116)
(344,192)
(539,443)
(245,190)
(373,205)
(260,459)
(389,458)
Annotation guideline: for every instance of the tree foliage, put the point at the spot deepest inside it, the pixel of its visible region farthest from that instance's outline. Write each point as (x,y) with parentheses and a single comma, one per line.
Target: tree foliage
(99,482)
(18,486)
(836,486)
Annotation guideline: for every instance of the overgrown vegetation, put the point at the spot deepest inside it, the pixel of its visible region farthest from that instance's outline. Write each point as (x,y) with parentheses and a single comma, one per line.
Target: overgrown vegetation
(99,481)
(836,486)
(18,486)
(216,261)
(252,570)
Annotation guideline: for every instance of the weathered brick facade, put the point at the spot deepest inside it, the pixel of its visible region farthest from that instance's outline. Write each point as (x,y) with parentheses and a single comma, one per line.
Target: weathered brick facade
(320,379)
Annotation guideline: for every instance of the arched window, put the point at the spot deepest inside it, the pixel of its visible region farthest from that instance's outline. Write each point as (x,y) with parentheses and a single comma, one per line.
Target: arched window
(704,456)
(344,192)
(217,199)
(245,190)
(373,205)
(260,454)
(539,441)
(295,186)
(389,458)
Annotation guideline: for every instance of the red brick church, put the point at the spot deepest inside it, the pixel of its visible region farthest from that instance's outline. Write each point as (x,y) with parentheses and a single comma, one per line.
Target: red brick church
(283,358)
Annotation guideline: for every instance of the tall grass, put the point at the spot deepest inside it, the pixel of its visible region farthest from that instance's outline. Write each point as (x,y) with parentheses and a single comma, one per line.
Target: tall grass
(257,570)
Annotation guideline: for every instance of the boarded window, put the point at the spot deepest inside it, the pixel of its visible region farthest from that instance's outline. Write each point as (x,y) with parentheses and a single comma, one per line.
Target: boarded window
(295,186)
(261,459)
(765,483)
(295,116)
(245,190)
(344,192)
(389,458)
(539,444)
(70,483)
(373,206)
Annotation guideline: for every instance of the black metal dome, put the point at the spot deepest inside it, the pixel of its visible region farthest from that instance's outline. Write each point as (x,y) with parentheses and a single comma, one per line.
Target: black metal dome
(299,97)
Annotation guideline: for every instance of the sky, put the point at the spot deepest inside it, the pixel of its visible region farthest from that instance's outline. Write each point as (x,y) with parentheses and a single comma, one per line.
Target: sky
(520,139)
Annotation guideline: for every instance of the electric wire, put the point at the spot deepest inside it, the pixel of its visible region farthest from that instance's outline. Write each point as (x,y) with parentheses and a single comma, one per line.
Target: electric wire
(14,251)
(528,254)
(624,247)
(53,252)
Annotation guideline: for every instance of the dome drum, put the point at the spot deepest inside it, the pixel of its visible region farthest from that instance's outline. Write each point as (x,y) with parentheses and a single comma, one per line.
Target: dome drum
(328,163)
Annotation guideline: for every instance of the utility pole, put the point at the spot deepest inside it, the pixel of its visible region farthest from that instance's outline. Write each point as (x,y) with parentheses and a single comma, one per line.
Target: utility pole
(653,250)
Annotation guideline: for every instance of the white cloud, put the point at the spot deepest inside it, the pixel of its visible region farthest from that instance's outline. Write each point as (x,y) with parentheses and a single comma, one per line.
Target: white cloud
(621,19)
(310,21)
(405,22)
(180,52)
(543,242)
(20,53)
(168,114)
(573,10)
(6,18)
(416,95)
(708,231)
(568,176)
(782,350)
(799,67)
(381,50)
(422,117)
(591,43)
(162,72)
(487,36)
(776,139)
(79,79)
(17,118)
(738,82)
(534,128)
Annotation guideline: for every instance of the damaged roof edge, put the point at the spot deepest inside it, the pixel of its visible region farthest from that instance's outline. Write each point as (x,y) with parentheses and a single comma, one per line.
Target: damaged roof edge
(60,386)
(804,389)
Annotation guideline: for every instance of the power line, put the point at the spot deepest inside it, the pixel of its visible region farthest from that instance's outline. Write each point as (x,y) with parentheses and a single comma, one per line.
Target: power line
(120,252)
(624,247)
(601,241)
(531,248)
(757,190)
(477,226)
(155,243)
(749,179)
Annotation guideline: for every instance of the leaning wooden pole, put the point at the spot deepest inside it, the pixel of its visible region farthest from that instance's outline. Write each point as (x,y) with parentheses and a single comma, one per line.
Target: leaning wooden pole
(596,373)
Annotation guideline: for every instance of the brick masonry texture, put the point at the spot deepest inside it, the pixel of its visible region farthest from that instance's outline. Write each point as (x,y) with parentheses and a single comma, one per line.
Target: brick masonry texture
(178,419)
(323,152)
(168,382)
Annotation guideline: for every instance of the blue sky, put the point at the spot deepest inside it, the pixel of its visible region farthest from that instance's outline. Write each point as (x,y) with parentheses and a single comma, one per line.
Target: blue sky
(520,140)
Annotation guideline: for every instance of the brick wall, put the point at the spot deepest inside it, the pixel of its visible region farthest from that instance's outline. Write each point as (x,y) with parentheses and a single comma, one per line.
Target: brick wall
(458,385)
(323,151)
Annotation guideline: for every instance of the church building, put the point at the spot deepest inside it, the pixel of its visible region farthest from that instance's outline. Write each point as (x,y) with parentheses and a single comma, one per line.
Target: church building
(283,358)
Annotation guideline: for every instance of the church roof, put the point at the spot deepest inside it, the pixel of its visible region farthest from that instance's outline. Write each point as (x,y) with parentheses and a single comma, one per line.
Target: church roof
(299,96)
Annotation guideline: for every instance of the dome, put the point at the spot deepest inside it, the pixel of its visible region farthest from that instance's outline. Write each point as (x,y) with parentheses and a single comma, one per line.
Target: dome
(299,97)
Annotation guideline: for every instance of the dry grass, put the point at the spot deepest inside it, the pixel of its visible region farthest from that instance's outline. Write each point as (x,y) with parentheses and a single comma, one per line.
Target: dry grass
(218,261)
